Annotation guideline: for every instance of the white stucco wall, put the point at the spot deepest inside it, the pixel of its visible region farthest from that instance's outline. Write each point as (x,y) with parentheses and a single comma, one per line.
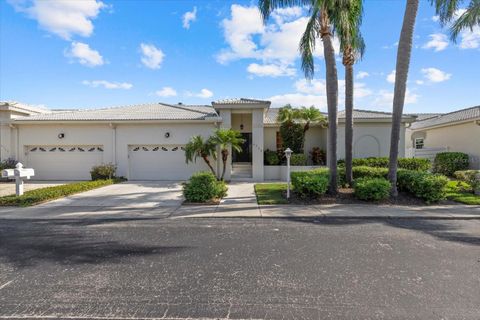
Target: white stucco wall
(458,138)
(369,139)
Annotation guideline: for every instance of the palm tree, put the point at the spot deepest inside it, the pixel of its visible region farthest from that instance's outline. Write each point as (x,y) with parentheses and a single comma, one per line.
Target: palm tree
(286,114)
(226,138)
(309,116)
(401,75)
(447,11)
(198,147)
(352,47)
(323,15)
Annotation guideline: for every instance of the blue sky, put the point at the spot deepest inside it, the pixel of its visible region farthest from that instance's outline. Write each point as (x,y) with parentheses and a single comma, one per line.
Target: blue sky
(88,54)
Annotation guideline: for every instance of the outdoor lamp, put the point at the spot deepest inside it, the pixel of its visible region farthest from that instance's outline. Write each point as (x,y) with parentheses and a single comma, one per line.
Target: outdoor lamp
(288,154)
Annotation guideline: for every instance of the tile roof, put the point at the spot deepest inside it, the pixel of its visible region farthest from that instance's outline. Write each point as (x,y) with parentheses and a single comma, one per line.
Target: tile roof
(151,111)
(271,115)
(424,116)
(240,101)
(451,117)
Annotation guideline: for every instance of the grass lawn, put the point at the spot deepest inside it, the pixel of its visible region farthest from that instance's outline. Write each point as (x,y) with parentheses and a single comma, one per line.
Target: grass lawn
(33,197)
(455,193)
(271,193)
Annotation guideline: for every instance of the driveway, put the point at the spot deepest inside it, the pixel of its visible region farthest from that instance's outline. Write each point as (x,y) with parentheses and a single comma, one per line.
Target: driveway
(132,198)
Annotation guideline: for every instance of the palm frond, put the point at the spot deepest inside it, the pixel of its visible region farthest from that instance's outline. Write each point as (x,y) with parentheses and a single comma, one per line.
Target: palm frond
(266,7)
(469,19)
(307,43)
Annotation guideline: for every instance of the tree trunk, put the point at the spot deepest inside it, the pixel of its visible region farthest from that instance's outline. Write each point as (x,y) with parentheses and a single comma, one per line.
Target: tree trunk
(207,161)
(403,62)
(224,160)
(332,100)
(348,123)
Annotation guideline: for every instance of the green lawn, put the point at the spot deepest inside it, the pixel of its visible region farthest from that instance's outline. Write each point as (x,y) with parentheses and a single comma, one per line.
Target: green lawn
(271,193)
(455,193)
(33,197)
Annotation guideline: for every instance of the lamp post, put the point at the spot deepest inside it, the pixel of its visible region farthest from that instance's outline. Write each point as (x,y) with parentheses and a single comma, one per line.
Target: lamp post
(288,154)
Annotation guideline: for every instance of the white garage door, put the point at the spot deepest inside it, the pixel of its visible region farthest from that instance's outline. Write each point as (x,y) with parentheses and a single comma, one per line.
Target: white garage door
(161,162)
(63,162)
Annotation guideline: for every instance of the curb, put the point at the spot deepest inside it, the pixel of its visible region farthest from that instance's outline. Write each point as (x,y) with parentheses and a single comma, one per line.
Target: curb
(325,217)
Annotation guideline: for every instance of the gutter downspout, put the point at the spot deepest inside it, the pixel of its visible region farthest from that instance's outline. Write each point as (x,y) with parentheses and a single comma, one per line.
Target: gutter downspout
(114,143)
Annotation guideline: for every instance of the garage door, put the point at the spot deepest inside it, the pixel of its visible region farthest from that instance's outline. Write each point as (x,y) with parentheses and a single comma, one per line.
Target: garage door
(161,162)
(63,162)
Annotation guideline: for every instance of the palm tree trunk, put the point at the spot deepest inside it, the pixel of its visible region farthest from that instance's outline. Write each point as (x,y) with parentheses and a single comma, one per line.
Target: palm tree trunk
(332,100)
(403,62)
(209,165)
(224,160)
(348,122)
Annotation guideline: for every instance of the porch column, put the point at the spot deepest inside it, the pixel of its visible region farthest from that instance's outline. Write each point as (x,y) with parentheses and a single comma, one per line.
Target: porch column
(5,140)
(226,115)
(257,145)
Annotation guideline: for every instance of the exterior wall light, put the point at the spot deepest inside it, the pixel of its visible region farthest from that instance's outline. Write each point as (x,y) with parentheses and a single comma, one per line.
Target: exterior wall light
(167,135)
(61,135)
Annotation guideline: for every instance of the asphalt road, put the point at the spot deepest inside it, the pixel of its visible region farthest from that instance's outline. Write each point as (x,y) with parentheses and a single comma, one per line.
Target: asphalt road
(240,269)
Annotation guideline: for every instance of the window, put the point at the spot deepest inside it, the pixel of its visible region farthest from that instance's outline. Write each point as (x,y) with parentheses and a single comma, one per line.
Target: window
(419,143)
(278,141)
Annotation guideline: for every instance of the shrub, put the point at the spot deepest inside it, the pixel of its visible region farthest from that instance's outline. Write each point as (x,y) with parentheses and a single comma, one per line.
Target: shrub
(382,162)
(298,159)
(361,172)
(472,177)
(310,184)
(318,156)
(8,164)
(204,187)
(103,172)
(292,136)
(372,189)
(427,186)
(448,162)
(271,158)
(36,196)
(417,164)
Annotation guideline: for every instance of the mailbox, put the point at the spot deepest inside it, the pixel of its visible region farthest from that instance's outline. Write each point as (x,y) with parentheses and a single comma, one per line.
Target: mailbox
(7,173)
(19,174)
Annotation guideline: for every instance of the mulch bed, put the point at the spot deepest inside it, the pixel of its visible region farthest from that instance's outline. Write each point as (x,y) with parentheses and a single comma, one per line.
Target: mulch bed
(346,196)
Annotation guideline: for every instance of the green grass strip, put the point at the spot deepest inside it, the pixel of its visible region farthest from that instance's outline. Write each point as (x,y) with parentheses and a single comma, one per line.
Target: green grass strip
(33,197)
(271,193)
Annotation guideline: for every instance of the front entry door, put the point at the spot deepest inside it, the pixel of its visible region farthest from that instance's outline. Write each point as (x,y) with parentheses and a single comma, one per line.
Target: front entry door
(246,154)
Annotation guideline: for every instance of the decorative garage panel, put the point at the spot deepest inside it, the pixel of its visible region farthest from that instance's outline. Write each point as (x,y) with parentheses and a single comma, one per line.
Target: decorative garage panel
(161,162)
(64,162)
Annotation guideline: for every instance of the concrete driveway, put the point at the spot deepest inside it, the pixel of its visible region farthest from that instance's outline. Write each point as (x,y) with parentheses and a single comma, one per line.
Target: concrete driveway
(132,198)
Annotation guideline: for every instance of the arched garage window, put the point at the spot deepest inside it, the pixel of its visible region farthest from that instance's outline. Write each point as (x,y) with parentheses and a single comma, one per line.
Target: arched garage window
(366,146)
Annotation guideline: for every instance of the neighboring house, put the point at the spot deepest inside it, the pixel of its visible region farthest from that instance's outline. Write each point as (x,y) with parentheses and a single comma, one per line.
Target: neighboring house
(453,131)
(146,141)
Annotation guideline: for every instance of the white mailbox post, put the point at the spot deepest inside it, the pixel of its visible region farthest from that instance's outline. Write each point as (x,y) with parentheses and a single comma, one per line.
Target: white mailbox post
(20,174)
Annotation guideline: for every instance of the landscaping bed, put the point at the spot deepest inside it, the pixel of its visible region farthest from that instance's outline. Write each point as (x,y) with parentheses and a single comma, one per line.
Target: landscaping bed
(33,197)
(276,193)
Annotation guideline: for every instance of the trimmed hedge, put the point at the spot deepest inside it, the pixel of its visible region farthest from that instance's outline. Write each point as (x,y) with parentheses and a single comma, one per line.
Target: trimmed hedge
(472,177)
(382,162)
(448,162)
(362,172)
(36,196)
(271,158)
(310,184)
(204,187)
(298,159)
(372,189)
(427,186)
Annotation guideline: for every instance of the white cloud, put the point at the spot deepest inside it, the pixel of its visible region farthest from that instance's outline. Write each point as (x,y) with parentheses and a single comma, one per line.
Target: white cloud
(435,75)
(270,70)
(189,17)
(107,84)
(166,92)
(435,18)
(152,57)
(204,94)
(384,99)
(420,82)
(84,54)
(470,39)
(64,18)
(438,42)
(362,74)
(391,77)
(298,99)
(273,44)
(390,46)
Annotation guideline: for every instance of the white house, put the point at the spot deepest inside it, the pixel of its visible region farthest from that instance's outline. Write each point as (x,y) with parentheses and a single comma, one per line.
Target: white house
(146,141)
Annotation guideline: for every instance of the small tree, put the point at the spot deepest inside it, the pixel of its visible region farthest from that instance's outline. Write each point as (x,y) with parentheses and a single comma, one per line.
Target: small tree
(309,116)
(225,138)
(198,147)
(292,136)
